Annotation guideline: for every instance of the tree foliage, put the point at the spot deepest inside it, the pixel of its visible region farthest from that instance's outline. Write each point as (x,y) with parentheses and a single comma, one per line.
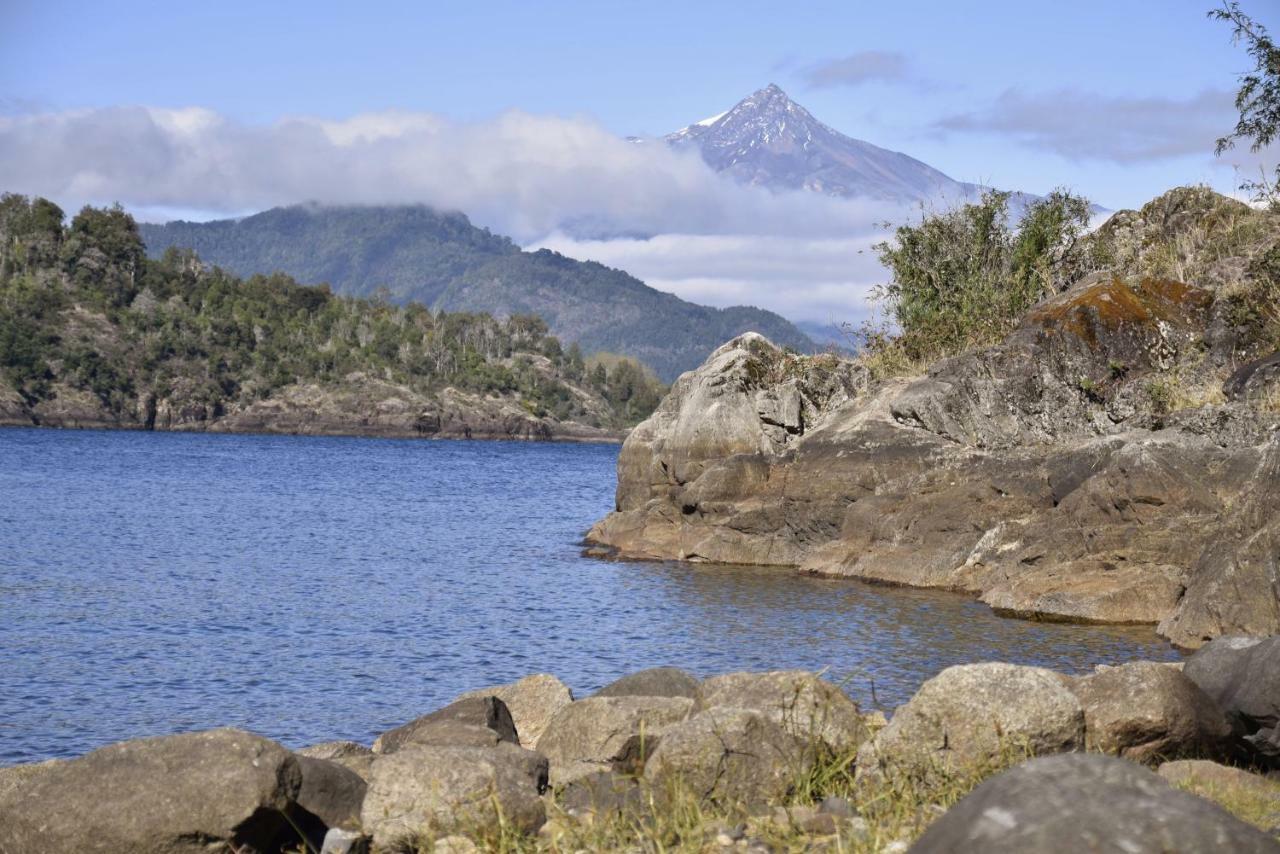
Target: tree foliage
(962,278)
(82,306)
(1258,98)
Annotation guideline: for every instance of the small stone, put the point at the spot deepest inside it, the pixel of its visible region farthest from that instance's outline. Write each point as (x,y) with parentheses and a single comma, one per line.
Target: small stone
(454,845)
(341,841)
(838,806)
(897,846)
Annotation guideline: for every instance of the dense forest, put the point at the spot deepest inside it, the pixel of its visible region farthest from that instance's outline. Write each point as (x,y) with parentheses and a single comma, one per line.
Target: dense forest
(84,310)
(413,253)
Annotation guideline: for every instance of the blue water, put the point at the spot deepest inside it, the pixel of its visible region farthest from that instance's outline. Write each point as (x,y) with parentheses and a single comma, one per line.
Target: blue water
(320,588)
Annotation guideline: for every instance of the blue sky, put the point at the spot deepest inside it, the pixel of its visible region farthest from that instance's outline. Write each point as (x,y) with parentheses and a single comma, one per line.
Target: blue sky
(1118,100)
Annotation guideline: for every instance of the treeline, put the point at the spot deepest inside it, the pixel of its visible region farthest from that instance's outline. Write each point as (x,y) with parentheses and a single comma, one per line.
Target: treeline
(82,305)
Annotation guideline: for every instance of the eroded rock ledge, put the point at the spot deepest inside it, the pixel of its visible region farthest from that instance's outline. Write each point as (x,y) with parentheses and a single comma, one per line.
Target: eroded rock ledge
(1115,459)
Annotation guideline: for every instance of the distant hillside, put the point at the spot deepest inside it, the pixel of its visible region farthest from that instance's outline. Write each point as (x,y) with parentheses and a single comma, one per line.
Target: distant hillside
(94,334)
(445,262)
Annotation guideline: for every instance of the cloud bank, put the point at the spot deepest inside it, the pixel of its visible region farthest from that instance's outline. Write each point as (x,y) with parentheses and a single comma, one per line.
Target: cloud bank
(539,179)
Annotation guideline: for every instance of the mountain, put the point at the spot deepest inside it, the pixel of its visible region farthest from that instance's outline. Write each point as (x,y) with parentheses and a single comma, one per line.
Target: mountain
(445,262)
(769,140)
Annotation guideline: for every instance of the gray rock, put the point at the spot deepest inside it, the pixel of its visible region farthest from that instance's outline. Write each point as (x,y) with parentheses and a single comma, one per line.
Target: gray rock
(1087,803)
(590,735)
(1243,676)
(972,718)
(422,789)
(730,756)
(178,793)
(331,792)
(340,841)
(1146,712)
(485,712)
(533,701)
(350,755)
(980,475)
(800,702)
(604,795)
(654,682)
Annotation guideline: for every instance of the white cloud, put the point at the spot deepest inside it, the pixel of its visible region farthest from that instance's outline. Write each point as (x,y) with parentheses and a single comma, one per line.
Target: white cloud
(820,279)
(524,175)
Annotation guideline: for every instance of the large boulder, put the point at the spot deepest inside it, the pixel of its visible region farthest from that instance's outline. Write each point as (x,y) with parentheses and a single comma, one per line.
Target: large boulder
(177,793)
(457,722)
(1087,802)
(730,756)
(799,701)
(654,682)
(1243,676)
(593,734)
(1146,711)
(422,791)
(532,701)
(975,717)
(331,792)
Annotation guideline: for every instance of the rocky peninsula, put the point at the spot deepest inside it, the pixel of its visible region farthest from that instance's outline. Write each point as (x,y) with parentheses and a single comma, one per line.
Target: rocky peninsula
(1141,757)
(1116,458)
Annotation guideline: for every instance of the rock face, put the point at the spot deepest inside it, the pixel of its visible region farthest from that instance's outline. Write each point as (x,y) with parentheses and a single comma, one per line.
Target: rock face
(1053,475)
(1147,711)
(796,700)
(975,717)
(1243,676)
(1087,803)
(179,793)
(331,792)
(593,734)
(476,720)
(421,790)
(532,701)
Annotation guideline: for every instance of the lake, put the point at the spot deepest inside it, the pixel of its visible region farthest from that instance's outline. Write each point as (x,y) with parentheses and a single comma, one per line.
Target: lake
(312,589)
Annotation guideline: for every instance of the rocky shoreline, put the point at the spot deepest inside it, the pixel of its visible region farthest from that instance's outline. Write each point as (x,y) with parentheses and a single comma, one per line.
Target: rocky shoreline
(361,406)
(1116,459)
(1130,757)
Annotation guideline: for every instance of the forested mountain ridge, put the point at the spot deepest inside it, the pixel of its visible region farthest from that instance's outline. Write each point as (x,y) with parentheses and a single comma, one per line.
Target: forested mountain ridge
(445,262)
(93,333)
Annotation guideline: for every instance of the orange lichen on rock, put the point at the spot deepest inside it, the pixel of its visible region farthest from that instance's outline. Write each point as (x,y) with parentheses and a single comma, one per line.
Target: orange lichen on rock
(1114,304)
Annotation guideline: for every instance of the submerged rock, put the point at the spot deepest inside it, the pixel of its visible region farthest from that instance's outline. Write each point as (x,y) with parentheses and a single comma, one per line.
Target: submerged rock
(1087,803)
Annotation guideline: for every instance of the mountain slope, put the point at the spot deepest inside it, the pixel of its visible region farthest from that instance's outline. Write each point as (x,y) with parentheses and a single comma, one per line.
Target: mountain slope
(443,261)
(769,140)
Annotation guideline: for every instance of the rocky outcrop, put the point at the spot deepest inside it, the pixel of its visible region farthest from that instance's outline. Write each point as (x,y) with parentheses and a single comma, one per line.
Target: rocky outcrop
(359,405)
(1087,803)
(1056,475)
